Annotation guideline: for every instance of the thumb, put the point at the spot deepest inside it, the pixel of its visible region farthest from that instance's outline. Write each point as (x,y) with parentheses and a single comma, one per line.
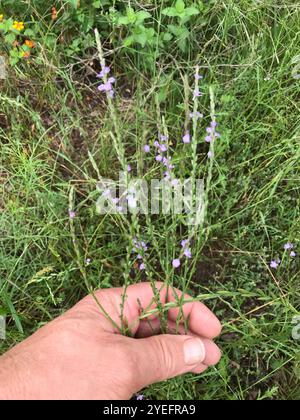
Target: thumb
(164,356)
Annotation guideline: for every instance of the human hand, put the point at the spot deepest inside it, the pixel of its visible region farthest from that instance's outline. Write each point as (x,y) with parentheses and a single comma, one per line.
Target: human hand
(82,355)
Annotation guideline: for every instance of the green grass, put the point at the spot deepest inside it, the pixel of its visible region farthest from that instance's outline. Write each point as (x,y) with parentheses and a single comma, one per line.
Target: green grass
(55,135)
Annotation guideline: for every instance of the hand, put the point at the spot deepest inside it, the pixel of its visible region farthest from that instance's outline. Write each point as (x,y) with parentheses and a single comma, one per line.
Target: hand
(82,355)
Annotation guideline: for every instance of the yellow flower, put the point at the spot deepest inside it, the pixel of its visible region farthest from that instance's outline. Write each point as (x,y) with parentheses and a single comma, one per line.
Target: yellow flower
(1,18)
(19,26)
(26,54)
(29,43)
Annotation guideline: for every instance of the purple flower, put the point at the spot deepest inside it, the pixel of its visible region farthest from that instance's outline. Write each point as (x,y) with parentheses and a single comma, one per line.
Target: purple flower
(163,148)
(142,267)
(129,168)
(72,214)
(210,154)
(167,176)
(212,133)
(159,158)
(105,70)
(163,137)
(186,138)
(106,193)
(198,76)
(88,261)
(156,144)
(186,250)
(105,87)
(196,115)
(140,397)
(147,148)
(197,93)
(275,263)
(176,263)
(293,254)
(188,253)
(288,246)
(184,243)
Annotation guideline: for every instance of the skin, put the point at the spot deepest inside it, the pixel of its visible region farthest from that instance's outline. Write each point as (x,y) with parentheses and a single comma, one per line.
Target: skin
(81,355)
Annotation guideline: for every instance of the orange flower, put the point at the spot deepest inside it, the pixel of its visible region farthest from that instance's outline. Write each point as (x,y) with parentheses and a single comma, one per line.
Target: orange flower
(54,13)
(29,44)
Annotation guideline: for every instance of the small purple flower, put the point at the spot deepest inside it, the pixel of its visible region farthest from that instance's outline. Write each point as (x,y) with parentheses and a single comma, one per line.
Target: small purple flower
(156,144)
(105,70)
(167,176)
(208,139)
(106,193)
(188,253)
(212,133)
(88,261)
(293,254)
(72,214)
(184,243)
(275,263)
(186,138)
(176,263)
(147,148)
(159,158)
(163,137)
(288,246)
(198,76)
(129,168)
(197,93)
(140,397)
(142,267)
(163,148)
(105,87)
(195,115)
(210,154)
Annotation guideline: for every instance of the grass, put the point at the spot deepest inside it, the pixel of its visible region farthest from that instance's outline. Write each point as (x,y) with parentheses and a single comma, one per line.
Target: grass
(56,137)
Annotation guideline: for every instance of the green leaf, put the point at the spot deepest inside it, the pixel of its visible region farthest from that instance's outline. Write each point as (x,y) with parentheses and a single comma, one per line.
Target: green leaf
(131,14)
(123,20)
(97,4)
(180,6)
(74,3)
(129,41)
(170,11)
(10,38)
(191,11)
(141,38)
(178,31)
(141,16)
(166,36)
(182,43)
(29,32)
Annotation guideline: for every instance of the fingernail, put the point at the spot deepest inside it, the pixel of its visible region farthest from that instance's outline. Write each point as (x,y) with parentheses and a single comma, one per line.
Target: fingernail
(194,351)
